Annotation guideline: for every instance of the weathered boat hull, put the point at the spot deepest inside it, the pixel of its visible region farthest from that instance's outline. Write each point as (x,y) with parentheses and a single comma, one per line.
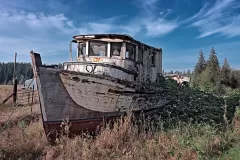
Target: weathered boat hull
(86,100)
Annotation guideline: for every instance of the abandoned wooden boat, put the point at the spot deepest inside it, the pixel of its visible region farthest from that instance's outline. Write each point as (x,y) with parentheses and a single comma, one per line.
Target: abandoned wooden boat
(105,81)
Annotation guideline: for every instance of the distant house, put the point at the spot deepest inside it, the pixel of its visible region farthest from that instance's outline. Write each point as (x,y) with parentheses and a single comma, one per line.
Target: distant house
(30,84)
(178,78)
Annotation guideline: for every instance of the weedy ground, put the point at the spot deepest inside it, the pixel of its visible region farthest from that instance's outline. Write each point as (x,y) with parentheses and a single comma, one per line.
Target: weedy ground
(22,137)
(5,91)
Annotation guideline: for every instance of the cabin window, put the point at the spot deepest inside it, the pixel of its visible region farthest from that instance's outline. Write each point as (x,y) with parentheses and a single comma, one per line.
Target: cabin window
(98,49)
(81,49)
(130,51)
(116,49)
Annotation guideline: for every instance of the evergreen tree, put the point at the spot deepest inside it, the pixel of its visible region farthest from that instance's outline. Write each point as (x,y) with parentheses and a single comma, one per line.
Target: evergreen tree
(225,73)
(201,64)
(198,69)
(235,79)
(211,76)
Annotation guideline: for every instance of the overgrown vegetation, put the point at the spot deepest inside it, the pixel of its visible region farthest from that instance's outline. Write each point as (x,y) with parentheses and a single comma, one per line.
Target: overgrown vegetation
(190,104)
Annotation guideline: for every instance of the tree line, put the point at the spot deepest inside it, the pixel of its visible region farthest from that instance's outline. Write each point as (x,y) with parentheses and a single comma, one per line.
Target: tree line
(209,76)
(23,72)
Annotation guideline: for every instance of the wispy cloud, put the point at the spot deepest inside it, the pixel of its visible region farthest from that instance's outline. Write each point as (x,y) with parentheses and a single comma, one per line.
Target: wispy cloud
(149,20)
(155,22)
(160,27)
(220,17)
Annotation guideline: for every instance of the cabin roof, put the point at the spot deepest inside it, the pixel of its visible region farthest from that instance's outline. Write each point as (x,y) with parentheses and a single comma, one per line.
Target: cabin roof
(124,37)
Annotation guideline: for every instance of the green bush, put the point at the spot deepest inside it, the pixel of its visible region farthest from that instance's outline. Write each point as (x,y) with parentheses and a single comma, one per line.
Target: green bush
(233,101)
(189,104)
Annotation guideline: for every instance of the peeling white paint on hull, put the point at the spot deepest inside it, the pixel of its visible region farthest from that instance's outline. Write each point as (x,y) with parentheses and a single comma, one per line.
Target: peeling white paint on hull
(95,93)
(98,94)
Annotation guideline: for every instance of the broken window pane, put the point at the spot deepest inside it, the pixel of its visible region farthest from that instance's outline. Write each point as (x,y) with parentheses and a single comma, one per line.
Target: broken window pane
(98,49)
(130,51)
(82,49)
(127,54)
(116,49)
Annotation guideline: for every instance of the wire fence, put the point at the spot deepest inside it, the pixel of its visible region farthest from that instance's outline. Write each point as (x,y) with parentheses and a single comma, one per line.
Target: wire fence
(27,96)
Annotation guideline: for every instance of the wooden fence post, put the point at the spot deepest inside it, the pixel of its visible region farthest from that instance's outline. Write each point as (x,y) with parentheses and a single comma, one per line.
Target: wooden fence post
(14,81)
(28,96)
(32,93)
(15,91)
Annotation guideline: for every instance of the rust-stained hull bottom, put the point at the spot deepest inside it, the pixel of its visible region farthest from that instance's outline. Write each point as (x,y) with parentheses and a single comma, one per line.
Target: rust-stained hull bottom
(77,127)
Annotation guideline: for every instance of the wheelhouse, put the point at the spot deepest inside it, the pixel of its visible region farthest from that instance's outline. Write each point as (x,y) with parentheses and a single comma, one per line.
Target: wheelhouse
(118,56)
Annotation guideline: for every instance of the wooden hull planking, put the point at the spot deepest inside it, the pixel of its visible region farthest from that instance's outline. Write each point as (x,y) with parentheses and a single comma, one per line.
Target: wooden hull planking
(86,99)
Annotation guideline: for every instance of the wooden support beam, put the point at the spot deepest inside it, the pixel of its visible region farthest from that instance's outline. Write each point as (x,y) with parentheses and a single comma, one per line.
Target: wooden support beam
(6,99)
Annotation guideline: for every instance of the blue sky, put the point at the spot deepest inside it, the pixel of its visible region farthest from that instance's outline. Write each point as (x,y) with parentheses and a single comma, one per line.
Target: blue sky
(180,27)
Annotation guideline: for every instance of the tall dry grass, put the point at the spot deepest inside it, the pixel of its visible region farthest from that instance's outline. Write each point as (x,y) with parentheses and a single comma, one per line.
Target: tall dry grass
(21,132)
(124,140)
(26,142)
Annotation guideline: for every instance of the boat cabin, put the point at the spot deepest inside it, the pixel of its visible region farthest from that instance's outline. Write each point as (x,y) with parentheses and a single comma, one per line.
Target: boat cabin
(117,56)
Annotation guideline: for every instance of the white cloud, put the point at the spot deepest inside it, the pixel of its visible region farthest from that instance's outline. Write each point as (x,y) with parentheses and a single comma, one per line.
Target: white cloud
(218,18)
(160,27)
(34,22)
(22,32)
(155,24)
